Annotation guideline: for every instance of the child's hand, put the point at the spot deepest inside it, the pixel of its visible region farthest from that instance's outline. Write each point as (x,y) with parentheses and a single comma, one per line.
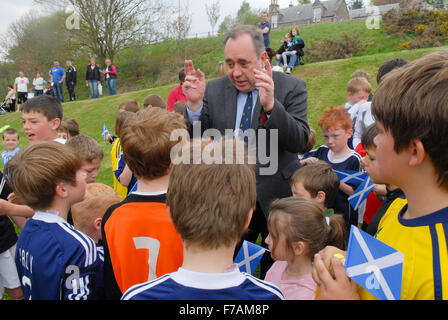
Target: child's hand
(339,288)
(13,199)
(308,160)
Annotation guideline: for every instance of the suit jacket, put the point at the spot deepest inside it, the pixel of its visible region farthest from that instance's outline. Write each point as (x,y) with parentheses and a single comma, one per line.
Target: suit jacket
(289,116)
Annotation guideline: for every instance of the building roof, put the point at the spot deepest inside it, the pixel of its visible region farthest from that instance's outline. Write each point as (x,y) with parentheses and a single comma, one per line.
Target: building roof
(305,11)
(358,13)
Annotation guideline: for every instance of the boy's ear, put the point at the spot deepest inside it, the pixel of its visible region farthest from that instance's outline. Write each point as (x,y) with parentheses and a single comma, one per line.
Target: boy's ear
(97,223)
(61,190)
(321,196)
(55,123)
(417,152)
(350,132)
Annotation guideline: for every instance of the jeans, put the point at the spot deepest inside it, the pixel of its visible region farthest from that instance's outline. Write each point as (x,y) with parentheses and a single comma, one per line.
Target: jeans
(93,86)
(292,61)
(111,86)
(38,92)
(58,93)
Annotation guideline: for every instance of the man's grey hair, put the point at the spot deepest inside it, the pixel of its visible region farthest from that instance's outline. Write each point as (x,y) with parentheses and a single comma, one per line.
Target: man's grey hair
(255,33)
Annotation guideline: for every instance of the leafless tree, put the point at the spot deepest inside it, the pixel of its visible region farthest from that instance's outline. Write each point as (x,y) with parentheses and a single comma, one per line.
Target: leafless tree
(107,26)
(213,11)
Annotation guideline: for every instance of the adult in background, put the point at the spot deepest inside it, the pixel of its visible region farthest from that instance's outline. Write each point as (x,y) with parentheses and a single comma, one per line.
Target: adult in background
(38,84)
(110,73)
(273,102)
(71,79)
(10,99)
(21,87)
(177,94)
(57,76)
(93,77)
(265,27)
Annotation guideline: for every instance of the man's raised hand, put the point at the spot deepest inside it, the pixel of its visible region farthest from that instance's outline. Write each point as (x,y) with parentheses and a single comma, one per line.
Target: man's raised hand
(193,86)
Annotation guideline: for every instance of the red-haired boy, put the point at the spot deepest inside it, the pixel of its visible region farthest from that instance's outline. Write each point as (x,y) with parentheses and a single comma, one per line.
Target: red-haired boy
(336,126)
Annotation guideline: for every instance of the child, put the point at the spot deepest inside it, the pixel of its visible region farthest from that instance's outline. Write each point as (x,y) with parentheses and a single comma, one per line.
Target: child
(210,227)
(336,127)
(141,223)
(54,261)
(311,142)
(11,141)
(129,105)
(316,181)
(154,100)
(298,229)
(358,91)
(410,111)
(41,117)
(116,151)
(88,214)
(179,107)
(71,126)
(370,165)
(91,155)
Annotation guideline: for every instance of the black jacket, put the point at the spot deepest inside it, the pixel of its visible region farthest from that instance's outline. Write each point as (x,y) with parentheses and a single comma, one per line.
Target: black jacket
(71,75)
(93,74)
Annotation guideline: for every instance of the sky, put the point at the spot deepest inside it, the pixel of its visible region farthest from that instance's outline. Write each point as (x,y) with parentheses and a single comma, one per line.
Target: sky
(12,10)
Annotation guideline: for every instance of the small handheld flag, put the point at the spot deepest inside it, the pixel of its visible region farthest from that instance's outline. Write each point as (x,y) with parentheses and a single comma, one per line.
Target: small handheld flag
(348,176)
(105,131)
(375,266)
(361,193)
(249,257)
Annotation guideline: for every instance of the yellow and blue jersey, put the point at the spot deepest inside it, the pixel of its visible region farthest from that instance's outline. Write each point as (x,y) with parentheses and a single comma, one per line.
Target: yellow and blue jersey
(423,242)
(115,156)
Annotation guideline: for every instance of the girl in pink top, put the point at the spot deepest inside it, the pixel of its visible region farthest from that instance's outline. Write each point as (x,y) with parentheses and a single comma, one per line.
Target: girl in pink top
(298,229)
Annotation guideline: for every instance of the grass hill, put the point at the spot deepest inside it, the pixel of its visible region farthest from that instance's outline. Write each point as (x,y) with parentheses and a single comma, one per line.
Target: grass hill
(326,85)
(158,64)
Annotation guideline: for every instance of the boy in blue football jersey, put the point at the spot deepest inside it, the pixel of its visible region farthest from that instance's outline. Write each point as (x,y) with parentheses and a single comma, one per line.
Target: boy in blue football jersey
(54,261)
(210,206)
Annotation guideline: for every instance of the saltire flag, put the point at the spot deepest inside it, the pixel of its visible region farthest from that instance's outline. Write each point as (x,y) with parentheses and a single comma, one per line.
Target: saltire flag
(361,193)
(249,257)
(105,131)
(375,266)
(348,176)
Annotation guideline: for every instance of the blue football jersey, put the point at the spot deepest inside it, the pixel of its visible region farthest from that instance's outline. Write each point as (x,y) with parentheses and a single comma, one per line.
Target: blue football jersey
(189,285)
(56,262)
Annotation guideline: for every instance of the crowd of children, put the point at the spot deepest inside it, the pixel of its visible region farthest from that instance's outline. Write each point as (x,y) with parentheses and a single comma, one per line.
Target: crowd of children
(169,229)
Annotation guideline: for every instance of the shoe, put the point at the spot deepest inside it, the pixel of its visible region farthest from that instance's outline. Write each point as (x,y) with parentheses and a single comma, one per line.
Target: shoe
(288,70)
(301,63)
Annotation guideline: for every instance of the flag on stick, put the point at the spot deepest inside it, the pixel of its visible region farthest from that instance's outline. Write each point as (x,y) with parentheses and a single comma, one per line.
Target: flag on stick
(249,257)
(375,266)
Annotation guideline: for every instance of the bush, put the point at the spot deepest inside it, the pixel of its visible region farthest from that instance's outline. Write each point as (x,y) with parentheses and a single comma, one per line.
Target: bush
(430,27)
(329,49)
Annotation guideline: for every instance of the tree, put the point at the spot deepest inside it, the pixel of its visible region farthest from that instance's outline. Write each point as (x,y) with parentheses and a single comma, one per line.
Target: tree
(356,4)
(246,15)
(213,12)
(303,1)
(107,26)
(180,26)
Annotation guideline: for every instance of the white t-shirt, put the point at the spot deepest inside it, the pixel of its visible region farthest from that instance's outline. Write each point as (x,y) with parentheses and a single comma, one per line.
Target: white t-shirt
(22,84)
(38,83)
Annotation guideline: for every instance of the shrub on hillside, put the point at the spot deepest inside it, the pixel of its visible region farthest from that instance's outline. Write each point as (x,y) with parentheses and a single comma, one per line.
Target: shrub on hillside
(430,27)
(330,49)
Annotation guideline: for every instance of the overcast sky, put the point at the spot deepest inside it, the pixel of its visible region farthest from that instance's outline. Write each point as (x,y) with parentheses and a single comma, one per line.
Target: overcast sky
(11,10)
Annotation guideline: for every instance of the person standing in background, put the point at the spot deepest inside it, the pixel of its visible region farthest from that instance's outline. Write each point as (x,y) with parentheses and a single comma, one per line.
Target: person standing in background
(110,73)
(265,27)
(38,84)
(93,78)
(71,78)
(57,75)
(21,87)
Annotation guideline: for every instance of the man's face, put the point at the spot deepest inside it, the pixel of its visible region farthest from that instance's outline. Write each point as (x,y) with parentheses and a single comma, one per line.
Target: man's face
(68,63)
(37,127)
(241,60)
(21,74)
(56,63)
(265,17)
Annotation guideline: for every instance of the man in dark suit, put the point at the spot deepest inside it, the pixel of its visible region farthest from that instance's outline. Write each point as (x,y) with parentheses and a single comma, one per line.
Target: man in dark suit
(251,96)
